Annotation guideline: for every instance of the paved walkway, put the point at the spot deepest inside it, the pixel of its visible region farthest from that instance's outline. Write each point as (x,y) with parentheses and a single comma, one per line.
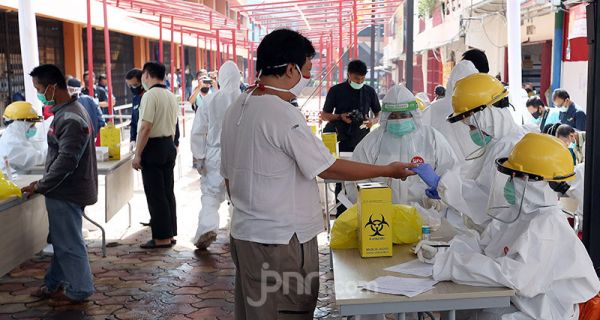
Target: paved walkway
(133,283)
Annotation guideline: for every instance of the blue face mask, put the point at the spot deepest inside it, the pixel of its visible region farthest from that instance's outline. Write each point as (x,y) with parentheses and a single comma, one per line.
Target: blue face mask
(476,136)
(30,133)
(509,191)
(401,127)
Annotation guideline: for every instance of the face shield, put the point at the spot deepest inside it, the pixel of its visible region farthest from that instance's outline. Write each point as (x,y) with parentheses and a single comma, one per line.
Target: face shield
(480,138)
(400,124)
(506,202)
(514,193)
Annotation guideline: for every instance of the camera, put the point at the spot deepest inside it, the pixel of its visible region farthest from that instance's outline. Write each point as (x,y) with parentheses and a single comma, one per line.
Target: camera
(357,117)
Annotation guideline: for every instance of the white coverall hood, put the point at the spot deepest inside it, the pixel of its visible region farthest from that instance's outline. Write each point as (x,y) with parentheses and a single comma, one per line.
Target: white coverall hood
(206,130)
(22,153)
(381,147)
(538,194)
(229,76)
(462,69)
(398,94)
(456,134)
(497,122)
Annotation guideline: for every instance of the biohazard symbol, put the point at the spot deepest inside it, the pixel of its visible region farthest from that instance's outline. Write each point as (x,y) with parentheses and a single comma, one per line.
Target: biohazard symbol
(376,225)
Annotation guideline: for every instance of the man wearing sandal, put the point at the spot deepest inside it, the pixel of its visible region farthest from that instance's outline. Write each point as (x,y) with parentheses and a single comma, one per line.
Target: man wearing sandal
(69,184)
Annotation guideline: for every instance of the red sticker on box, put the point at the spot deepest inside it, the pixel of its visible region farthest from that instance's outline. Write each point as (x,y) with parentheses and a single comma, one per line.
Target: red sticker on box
(417,160)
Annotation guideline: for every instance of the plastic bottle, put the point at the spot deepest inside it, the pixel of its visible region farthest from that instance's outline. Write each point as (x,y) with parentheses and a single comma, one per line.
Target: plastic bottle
(426,233)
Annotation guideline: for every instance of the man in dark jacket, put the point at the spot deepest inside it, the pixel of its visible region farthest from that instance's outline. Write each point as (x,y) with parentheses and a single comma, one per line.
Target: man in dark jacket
(70,183)
(570,113)
(134,82)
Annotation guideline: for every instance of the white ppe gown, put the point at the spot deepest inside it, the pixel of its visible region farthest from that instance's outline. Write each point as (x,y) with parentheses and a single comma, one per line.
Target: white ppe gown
(206,145)
(539,256)
(22,153)
(467,188)
(424,143)
(576,189)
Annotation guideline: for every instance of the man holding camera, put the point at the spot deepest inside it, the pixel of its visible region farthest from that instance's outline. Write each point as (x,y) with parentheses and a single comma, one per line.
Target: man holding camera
(346,110)
(347,107)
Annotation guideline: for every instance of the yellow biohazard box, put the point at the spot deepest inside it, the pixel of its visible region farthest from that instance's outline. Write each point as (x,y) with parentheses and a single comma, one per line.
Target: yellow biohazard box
(110,137)
(330,141)
(374,220)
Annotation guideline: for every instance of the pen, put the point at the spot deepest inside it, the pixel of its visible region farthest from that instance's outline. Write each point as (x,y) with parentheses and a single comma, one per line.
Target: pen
(441,246)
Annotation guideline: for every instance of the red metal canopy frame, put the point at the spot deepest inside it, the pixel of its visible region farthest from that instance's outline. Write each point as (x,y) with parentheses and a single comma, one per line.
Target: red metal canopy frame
(322,21)
(316,19)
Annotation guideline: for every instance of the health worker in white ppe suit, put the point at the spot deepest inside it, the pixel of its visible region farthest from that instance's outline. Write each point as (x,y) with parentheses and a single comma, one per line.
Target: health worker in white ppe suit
(206,149)
(456,134)
(402,137)
(494,132)
(529,246)
(17,143)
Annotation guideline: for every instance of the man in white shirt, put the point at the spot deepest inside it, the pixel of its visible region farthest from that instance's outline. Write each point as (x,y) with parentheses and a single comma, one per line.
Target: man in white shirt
(270,161)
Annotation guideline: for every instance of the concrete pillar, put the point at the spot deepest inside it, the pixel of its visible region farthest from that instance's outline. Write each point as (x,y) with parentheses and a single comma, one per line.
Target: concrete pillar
(29,49)
(140,51)
(73,46)
(513,25)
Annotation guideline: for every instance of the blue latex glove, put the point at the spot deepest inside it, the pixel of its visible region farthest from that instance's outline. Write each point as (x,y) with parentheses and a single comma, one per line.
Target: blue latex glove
(432,193)
(428,175)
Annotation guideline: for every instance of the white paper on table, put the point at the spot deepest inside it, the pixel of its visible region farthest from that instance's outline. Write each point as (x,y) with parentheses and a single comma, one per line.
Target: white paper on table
(409,287)
(414,267)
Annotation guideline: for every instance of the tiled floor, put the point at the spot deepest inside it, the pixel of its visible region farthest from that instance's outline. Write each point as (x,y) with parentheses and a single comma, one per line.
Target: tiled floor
(133,283)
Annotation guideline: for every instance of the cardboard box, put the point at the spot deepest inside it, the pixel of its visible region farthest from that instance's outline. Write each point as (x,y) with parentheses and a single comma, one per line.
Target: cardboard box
(330,141)
(110,137)
(374,220)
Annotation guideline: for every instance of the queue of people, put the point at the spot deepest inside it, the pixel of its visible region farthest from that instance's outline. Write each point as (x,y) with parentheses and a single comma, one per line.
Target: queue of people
(496,181)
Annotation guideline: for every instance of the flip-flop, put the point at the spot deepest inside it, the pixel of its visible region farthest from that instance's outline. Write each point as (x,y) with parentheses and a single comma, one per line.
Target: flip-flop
(151,244)
(44,293)
(61,299)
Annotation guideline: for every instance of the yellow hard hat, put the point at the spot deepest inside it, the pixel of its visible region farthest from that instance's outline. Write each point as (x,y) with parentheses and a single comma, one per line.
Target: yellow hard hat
(540,157)
(473,93)
(8,189)
(21,110)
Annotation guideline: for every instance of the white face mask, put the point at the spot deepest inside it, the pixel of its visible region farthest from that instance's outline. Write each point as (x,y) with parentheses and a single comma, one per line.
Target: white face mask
(296,89)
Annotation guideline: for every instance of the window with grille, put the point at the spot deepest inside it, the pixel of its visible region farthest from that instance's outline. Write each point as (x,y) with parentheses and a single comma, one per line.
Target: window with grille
(50,46)
(121,60)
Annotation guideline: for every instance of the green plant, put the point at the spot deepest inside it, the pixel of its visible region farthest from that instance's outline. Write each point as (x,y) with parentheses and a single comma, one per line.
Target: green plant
(425,8)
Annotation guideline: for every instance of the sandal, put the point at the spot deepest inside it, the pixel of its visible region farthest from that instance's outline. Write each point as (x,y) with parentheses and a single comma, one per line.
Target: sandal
(44,293)
(151,244)
(60,299)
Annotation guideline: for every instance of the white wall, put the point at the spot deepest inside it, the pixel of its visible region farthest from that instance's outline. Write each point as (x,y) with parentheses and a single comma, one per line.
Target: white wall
(574,79)
(489,35)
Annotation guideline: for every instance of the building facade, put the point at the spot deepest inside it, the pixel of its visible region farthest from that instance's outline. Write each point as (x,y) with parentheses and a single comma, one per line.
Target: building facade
(62,40)
(446,29)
